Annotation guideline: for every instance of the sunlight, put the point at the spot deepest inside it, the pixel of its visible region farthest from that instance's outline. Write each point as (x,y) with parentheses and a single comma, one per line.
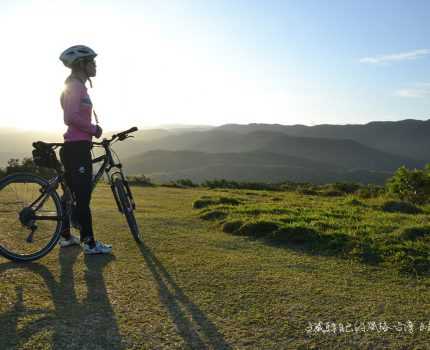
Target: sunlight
(145,76)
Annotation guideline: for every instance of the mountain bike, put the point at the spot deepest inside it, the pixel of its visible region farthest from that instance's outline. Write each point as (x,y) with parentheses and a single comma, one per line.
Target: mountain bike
(32,212)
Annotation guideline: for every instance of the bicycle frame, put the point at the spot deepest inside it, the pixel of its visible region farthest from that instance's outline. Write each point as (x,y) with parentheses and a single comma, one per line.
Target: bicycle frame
(106,167)
(60,209)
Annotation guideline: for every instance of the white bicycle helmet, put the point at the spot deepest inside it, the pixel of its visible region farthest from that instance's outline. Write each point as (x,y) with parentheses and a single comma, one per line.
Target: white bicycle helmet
(75,53)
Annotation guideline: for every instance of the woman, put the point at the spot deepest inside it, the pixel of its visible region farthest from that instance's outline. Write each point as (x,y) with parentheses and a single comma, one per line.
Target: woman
(76,152)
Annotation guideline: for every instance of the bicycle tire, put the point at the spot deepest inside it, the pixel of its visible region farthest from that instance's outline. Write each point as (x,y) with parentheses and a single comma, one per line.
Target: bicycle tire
(39,183)
(127,209)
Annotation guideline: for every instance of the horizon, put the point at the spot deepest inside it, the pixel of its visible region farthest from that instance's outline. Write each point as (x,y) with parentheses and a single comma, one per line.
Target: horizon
(218,63)
(190,126)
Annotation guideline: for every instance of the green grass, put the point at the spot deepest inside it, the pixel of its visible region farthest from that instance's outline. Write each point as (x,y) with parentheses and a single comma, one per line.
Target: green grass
(194,286)
(378,231)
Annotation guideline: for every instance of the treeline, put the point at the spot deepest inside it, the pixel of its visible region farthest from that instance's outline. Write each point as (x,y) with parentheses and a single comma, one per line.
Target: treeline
(305,188)
(27,165)
(410,185)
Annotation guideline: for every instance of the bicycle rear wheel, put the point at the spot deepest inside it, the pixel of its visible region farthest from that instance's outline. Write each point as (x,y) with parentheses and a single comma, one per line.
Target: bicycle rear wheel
(127,209)
(30,217)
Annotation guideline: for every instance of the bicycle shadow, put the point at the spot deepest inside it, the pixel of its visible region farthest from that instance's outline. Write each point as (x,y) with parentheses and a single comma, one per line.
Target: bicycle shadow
(203,334)
(72,324)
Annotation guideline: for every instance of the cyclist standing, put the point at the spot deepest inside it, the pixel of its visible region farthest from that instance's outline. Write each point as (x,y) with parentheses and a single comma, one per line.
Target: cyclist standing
(76,152)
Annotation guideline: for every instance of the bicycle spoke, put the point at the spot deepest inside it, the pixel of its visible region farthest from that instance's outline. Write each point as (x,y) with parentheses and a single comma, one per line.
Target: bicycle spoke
(25,187)
(26,231)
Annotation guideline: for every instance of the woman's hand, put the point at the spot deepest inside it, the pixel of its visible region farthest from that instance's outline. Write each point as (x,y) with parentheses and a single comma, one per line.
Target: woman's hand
(99,131)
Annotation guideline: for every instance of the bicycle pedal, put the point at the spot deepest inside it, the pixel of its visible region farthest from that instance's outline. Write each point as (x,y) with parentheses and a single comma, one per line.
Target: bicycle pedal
(30,239)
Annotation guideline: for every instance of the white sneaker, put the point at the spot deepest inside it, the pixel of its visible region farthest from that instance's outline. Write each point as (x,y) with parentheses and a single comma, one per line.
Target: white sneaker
(72,240)
(99,248)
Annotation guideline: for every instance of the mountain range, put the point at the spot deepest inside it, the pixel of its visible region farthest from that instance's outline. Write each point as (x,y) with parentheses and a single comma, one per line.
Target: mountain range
(367,153)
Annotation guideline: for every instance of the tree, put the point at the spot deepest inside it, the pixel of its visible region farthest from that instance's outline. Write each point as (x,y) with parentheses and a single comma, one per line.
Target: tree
(410,185)
(27,165)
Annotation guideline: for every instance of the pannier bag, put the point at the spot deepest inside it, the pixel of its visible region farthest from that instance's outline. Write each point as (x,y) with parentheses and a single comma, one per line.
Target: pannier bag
(44,155)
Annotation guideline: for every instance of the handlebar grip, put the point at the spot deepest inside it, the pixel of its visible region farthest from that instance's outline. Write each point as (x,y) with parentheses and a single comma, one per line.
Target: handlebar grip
(133,129)
(124,133)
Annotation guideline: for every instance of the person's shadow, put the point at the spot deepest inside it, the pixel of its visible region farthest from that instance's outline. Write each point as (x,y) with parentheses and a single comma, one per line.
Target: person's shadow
(73,324)
(91,324)
(203,334)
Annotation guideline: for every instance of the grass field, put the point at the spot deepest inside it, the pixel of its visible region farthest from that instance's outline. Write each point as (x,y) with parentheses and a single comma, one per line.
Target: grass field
(194,286)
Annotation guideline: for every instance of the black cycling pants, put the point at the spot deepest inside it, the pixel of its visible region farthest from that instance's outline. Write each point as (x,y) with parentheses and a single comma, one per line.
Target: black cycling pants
(76,158)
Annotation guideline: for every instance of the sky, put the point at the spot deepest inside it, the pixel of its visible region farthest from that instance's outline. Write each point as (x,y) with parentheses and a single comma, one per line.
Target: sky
(212,62)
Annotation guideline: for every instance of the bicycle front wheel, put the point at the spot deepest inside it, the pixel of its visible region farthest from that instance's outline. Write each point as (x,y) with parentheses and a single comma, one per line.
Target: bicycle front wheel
(127,209)
(30,217)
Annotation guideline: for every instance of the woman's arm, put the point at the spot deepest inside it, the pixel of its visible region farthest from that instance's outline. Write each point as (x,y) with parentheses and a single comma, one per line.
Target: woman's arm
(71,102)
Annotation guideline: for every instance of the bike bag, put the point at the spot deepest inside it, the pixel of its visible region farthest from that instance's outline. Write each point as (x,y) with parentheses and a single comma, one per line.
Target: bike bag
(44,156)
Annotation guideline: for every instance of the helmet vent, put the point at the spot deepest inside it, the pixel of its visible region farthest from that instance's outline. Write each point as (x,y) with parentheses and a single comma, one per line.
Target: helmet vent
(76,53)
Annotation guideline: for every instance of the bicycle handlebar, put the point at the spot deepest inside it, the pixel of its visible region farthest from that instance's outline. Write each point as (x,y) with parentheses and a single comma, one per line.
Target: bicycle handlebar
(121,136)
(124,133)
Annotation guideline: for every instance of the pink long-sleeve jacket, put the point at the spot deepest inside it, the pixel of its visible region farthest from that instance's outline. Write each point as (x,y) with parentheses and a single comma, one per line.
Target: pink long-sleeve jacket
(77,107)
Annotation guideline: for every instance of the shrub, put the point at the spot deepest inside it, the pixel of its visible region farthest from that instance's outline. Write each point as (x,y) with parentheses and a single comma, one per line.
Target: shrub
(232,226)
(185,183)
(412,257)
(140,180)
(27,165)
(355,202)
(171,184)
(261,186)
(295,234)
(306,191)
(241,185)
(345,187)
(214,215)
(332,193)
(400,207)
(370,191)
(228,200)
(410,185)
(203,203)
(258,228)
(367,252)
(337,242)
(412,233)
(222,183)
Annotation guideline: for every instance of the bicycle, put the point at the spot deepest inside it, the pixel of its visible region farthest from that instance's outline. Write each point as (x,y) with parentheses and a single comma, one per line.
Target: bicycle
(32,213)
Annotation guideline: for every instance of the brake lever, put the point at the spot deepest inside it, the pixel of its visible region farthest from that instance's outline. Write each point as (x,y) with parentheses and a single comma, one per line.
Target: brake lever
(122,138)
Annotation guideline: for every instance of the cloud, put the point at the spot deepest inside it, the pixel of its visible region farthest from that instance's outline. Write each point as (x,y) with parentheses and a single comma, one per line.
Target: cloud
(396,57)
(419,90)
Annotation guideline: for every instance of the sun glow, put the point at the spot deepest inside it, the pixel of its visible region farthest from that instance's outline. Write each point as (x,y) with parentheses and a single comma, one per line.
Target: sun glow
(144,77)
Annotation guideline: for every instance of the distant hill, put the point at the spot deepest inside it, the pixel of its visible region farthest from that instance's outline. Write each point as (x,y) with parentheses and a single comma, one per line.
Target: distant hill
(342,152)
(246,166)
(339,153)
(408,137)
(262,152)
(16,144)
(347,154)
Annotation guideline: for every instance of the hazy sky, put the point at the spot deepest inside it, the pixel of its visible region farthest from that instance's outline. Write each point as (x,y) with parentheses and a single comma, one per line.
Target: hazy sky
(215,61)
